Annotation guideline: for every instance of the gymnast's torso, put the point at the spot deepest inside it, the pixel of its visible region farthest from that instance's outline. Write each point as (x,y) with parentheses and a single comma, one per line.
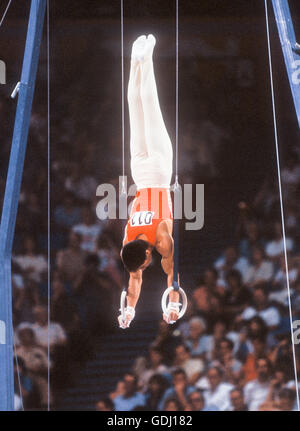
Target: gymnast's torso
(151,212)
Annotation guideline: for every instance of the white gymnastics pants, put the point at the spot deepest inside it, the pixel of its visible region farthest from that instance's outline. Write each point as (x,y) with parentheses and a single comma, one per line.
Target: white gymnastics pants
(150,146)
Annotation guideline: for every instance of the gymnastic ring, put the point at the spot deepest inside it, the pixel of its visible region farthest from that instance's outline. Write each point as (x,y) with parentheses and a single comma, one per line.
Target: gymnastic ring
(164,300)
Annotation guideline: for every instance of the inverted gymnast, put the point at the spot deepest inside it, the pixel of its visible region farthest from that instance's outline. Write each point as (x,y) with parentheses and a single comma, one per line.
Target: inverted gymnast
(150,224)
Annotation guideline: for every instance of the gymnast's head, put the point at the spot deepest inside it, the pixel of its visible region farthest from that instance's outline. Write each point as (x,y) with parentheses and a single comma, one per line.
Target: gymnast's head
(136,255)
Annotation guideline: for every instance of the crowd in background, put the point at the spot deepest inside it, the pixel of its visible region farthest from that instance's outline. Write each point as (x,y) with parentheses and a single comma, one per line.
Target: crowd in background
(233,349)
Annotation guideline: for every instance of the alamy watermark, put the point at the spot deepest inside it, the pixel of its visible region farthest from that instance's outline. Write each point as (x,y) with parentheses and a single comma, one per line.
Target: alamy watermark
(2,72)
(188,203)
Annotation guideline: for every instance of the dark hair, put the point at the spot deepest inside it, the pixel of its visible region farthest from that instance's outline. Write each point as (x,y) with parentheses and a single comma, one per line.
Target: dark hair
(134,254)
(178,371)
(172,400)
(228,341)
(234,273)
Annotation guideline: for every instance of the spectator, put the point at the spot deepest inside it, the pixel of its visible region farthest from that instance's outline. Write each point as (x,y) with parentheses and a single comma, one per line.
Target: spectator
(230,366)
(237,400)
(32,264)
(216,390)
(256,391)
(35,361)
(193,367)
(230,260)
(274,248)
(172,405)
(131,397)
(260,271)
(198,341)
(197,402)
(180,389)
(237,296)
(262,308)
(145,370)
(67,214)
(89,229)
(157,386)
(70,261)
(41,327)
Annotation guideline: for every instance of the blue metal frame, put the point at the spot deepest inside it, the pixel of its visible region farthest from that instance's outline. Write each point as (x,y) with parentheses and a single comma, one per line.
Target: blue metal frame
(290,48)
(11,198)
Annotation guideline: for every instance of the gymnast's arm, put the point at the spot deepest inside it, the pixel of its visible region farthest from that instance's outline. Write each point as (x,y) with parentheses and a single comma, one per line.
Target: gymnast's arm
(165,247)
(134,288)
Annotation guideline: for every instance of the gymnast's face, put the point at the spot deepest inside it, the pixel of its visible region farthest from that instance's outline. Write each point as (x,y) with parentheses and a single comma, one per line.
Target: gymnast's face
(147,261)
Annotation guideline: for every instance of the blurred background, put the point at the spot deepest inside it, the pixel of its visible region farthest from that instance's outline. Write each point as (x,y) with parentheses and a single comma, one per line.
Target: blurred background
(232,350)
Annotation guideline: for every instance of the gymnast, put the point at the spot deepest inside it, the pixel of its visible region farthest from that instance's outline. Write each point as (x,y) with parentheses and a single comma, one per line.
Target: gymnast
(150,224)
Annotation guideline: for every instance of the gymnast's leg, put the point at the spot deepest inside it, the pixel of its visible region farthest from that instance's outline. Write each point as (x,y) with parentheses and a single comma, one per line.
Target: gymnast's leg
(138,148)
(158,142)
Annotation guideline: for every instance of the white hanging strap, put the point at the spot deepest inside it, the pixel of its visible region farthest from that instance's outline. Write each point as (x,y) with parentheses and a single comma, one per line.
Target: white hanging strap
(49,179)
(281,200)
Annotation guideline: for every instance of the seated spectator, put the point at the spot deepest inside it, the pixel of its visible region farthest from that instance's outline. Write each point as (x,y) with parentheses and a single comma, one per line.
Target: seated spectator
(60,302)
(157,386)
(230,366)
(230,260)
(57,336)
(179,390)
(67,214)
(282,356)
(197,403)
(35,360)
(25,299)
(279,281)
(251,237)
(256,391)
(261,307)
(258,344)
(216,390)
(105,405)
(131,398)
(219,332)
(260,270)
(193,367)
(286,400)
(210,280)
(109,258)
(197,341)
(237,400)
(275,248)
(89,229)
(166,342)
(146,368)
(207,304)
(81,183)
(32,264)
(70,261)
(237,296)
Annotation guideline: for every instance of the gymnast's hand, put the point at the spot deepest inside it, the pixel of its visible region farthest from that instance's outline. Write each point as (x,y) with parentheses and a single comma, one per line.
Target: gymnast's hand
(129,316)
(172,313)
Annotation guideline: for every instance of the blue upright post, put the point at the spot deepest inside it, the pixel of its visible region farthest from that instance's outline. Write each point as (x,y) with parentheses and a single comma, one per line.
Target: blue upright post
(11,198)
(290,48)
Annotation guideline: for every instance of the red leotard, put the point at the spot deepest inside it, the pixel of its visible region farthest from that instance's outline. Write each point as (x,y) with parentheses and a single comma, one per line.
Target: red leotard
(150,206)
